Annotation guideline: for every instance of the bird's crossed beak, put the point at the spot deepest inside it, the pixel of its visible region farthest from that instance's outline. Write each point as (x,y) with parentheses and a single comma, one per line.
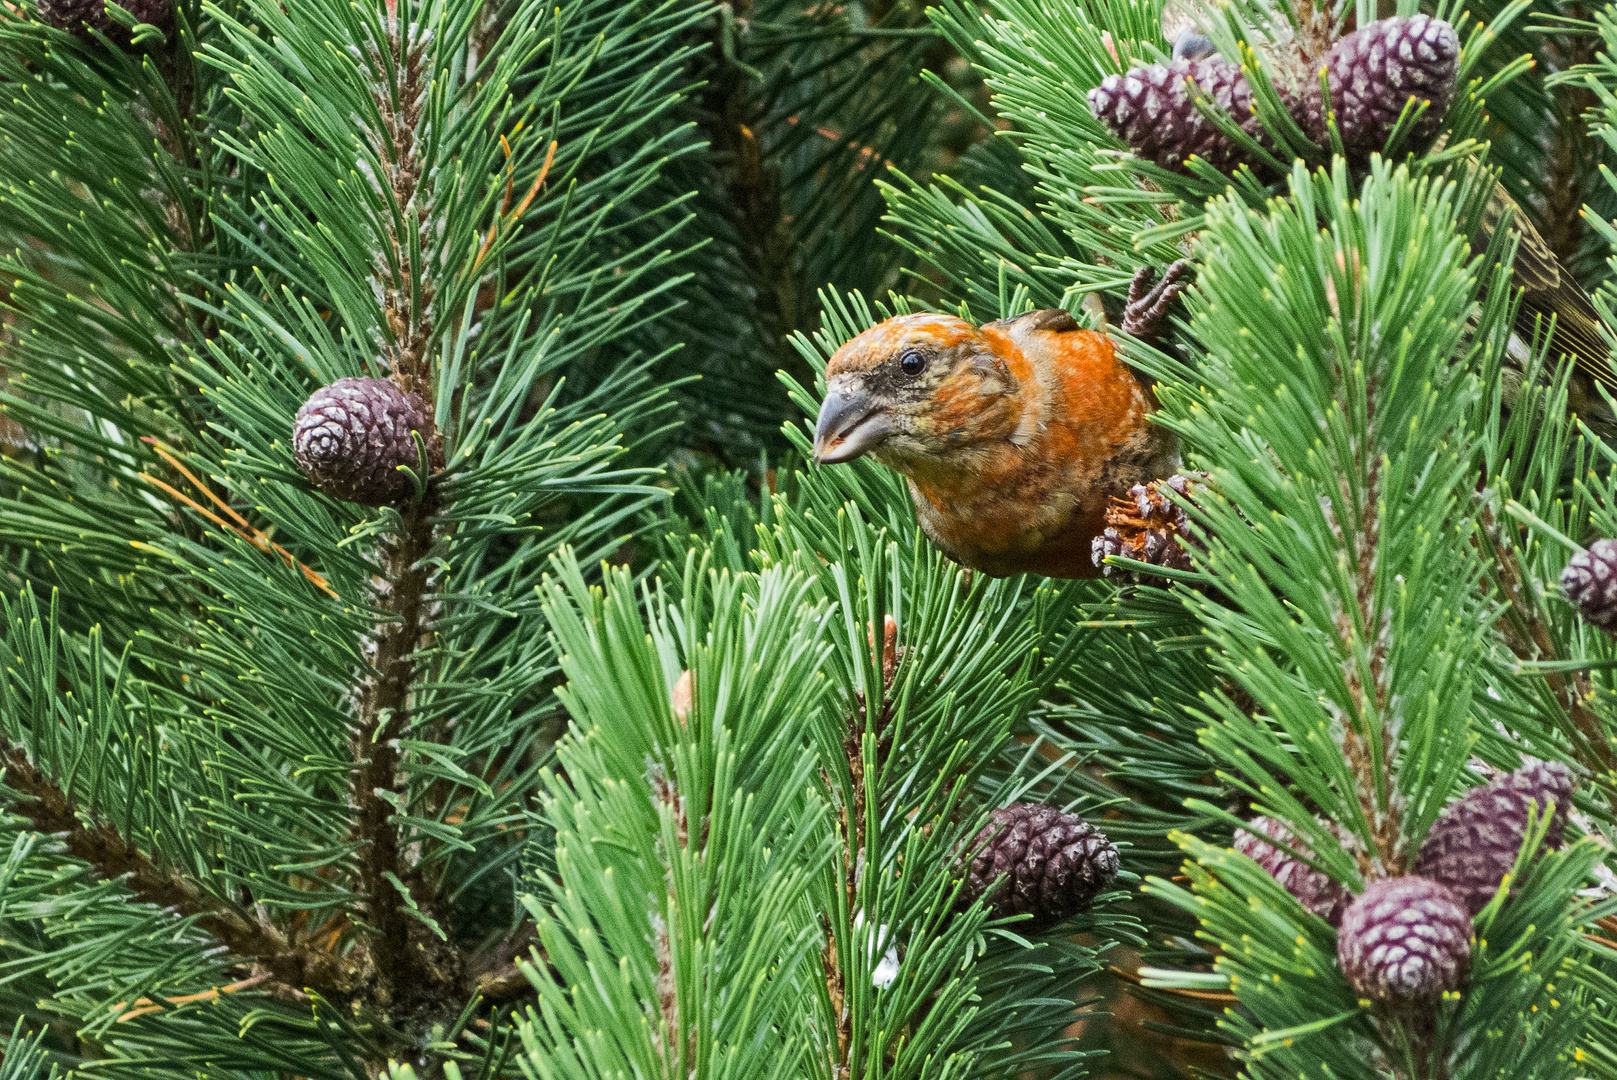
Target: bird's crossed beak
(849,426)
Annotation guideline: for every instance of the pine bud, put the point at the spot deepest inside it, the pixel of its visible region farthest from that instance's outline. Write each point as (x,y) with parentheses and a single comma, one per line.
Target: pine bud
(1315,890)
(1053,864)
(1590,582)
(351,437)
(79,17)
(1147,527)
(1154,112)
(1373,73)
(1404,940)
(1474,843)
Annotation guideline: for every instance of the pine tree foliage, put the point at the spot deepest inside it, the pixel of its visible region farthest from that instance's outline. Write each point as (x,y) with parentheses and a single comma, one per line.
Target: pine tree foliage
(868,760)
(1335,450)
(268,754)
(805,108)
(1377,486)
(296,787)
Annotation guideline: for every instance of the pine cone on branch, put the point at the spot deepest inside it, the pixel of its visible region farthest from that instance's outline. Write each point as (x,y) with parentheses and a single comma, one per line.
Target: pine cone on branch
(351,438)
(1373,73)
(1314,889)
(1147,527)
(80,17)
(1404,941)
(1474,843)
(1053,864)
(1153,110)
(1590,582)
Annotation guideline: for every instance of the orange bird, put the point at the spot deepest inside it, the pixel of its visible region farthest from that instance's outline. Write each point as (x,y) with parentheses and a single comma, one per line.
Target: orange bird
(1013,434)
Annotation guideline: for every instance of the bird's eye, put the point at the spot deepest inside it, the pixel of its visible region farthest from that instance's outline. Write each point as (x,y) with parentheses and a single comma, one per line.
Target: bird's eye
(912,362)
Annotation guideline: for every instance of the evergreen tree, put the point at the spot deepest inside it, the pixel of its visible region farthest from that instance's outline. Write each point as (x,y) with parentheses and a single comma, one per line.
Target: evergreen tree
(394,684)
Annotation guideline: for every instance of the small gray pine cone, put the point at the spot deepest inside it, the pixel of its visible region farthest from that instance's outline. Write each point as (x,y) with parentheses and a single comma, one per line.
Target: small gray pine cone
(1590,582)
(1152,110)
(1474,843)
(1404,940)
(1053,864)
(350,438)
(1372,73)
(1147,527)
(1315,890)
(81,16)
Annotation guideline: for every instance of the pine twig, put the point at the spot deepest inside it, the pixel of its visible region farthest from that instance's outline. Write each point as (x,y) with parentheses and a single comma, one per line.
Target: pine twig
(237,524)
(1528,638)
(145,1006)
(294,967)
(410,966)
(415,969)
(1369,762)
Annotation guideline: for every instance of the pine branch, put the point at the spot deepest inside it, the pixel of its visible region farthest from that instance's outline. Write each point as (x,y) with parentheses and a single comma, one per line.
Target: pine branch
(413,966)
(764,238)
(1530,639)
(294,967)
(409,317)
(1369,759)
(854,851)
(1570,159)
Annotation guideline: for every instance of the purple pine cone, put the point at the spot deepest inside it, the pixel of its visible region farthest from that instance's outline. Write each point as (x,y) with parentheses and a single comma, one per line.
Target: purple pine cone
(1404,940)
(79,17)
(1473,844)
(350,438)
(1315,890)
(1373,73)
(1590,582)
(1054,864)
(1152,110)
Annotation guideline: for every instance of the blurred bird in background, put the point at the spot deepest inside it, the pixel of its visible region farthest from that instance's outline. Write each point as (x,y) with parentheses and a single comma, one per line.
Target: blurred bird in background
(1552,302)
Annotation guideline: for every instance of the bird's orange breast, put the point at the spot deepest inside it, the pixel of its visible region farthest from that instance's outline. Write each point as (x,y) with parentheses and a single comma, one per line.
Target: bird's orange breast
(1037,506)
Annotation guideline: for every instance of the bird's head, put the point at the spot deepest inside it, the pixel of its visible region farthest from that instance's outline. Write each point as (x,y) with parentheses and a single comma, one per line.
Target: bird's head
(917,389)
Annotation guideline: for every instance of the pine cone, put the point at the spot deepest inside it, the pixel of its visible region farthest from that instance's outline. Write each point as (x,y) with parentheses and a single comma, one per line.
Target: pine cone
(1147,527)
(1474,843)
(1590,582)
(1404,940)
(79,17)
(351,437)
(1152,110)
(1315,890)
(1054,864)
(1373,72)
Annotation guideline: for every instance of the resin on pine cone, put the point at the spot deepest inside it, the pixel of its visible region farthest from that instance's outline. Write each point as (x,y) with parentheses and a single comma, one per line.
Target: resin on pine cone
(1590,582)
(1154,112)
(1147,527)
(1474,843)
(1404,940)
(351,437)
(1314,889)
(1373,73)
(81,16)
(1048,864)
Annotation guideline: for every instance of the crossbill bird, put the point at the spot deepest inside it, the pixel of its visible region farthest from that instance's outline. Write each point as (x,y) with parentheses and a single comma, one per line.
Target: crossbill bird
(1013,435)
(1553,303)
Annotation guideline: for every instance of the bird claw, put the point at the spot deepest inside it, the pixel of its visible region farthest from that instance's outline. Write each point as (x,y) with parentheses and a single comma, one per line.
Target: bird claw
(1146,312)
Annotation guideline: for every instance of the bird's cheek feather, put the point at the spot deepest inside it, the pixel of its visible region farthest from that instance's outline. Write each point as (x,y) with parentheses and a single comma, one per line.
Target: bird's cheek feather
(964,410)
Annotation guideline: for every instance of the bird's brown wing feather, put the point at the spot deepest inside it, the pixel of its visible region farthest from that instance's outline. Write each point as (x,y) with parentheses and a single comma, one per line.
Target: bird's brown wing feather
(1549,289)
(1057,319)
